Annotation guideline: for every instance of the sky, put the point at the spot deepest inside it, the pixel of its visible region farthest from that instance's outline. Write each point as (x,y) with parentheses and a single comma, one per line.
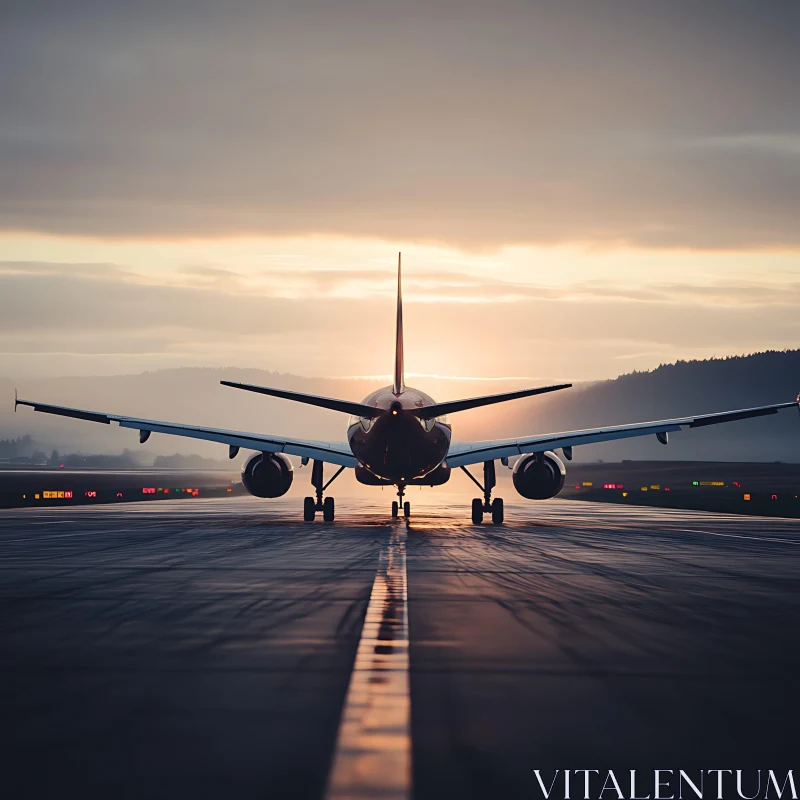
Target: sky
(579,189)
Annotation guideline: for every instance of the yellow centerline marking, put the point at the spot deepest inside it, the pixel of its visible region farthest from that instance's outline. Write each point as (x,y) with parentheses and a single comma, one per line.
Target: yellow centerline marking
(372,757)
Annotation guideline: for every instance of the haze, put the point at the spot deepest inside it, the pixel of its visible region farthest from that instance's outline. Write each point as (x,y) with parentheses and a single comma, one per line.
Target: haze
(578,189)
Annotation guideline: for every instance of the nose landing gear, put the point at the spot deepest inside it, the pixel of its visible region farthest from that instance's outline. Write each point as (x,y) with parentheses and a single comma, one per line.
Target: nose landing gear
(486,505)
(397,504)
(313,504)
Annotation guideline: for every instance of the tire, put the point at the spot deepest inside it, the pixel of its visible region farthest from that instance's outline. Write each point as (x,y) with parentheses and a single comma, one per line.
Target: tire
(497,511)
(328,509)
(309,509)
(406,509)
(477,511)
(395,509)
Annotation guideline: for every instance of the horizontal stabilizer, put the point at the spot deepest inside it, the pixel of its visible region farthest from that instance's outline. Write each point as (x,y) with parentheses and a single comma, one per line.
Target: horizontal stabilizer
(358,409)
(440,409)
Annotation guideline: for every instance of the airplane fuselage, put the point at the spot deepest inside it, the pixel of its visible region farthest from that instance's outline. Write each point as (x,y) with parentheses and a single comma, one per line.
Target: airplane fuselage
(399,447)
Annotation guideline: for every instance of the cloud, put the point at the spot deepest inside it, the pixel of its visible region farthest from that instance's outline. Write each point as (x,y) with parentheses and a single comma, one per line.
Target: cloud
(476,124)
(54,316)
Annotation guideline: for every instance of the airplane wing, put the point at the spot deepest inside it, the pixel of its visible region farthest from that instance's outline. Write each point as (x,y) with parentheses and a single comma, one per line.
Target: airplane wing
(464,453)
(332,452)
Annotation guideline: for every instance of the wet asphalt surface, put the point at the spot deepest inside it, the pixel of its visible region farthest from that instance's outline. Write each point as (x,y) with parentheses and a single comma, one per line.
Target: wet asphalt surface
(204,647)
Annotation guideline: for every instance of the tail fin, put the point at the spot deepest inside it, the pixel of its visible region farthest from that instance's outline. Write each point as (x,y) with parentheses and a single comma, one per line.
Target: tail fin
(398,385)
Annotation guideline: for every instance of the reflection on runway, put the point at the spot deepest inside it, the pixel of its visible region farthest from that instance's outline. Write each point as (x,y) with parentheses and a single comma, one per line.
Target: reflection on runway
(373,749)
(209,648)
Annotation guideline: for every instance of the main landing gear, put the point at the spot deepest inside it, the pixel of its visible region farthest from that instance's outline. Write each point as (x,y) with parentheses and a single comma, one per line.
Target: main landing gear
(486,505)
(397,504)
(313,504)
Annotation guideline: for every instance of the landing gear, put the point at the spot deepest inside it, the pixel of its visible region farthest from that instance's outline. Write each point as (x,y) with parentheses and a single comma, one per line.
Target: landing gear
(477,511)
(398,504)
(313,504)
(497,511)
(486,505)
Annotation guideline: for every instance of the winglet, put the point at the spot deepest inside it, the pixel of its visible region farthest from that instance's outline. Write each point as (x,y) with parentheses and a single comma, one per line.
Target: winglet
(398,385)
(16,401)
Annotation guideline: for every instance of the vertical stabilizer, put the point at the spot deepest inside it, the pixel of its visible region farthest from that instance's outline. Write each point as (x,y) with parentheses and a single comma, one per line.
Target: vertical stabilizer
(398,384)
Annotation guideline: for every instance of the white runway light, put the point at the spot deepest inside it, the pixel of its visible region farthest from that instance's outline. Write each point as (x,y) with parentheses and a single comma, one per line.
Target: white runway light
(373,748)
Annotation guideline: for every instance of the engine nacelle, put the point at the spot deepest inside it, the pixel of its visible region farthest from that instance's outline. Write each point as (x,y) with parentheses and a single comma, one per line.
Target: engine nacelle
(539,476)
(267,474)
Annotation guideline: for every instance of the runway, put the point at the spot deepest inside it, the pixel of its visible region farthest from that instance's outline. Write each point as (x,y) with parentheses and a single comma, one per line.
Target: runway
(207,648)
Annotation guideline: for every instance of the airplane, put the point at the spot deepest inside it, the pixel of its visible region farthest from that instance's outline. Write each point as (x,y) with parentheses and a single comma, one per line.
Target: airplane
(400,436)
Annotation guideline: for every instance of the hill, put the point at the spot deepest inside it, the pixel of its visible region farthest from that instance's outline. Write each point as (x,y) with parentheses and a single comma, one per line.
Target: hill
(675,390)
(671,390)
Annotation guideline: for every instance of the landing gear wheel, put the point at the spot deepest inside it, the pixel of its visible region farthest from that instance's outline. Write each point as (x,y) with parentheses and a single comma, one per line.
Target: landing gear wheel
(406,509)
(477,511)
(309,509)
(497,511)
(328,509)
(395,509)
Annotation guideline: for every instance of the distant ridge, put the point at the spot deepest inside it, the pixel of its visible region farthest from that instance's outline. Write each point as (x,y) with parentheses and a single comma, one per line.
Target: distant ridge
(672,390)
(669,390)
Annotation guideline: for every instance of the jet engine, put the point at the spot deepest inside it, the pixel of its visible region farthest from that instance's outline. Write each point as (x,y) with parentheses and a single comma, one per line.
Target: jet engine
(267,474)
(539,476)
